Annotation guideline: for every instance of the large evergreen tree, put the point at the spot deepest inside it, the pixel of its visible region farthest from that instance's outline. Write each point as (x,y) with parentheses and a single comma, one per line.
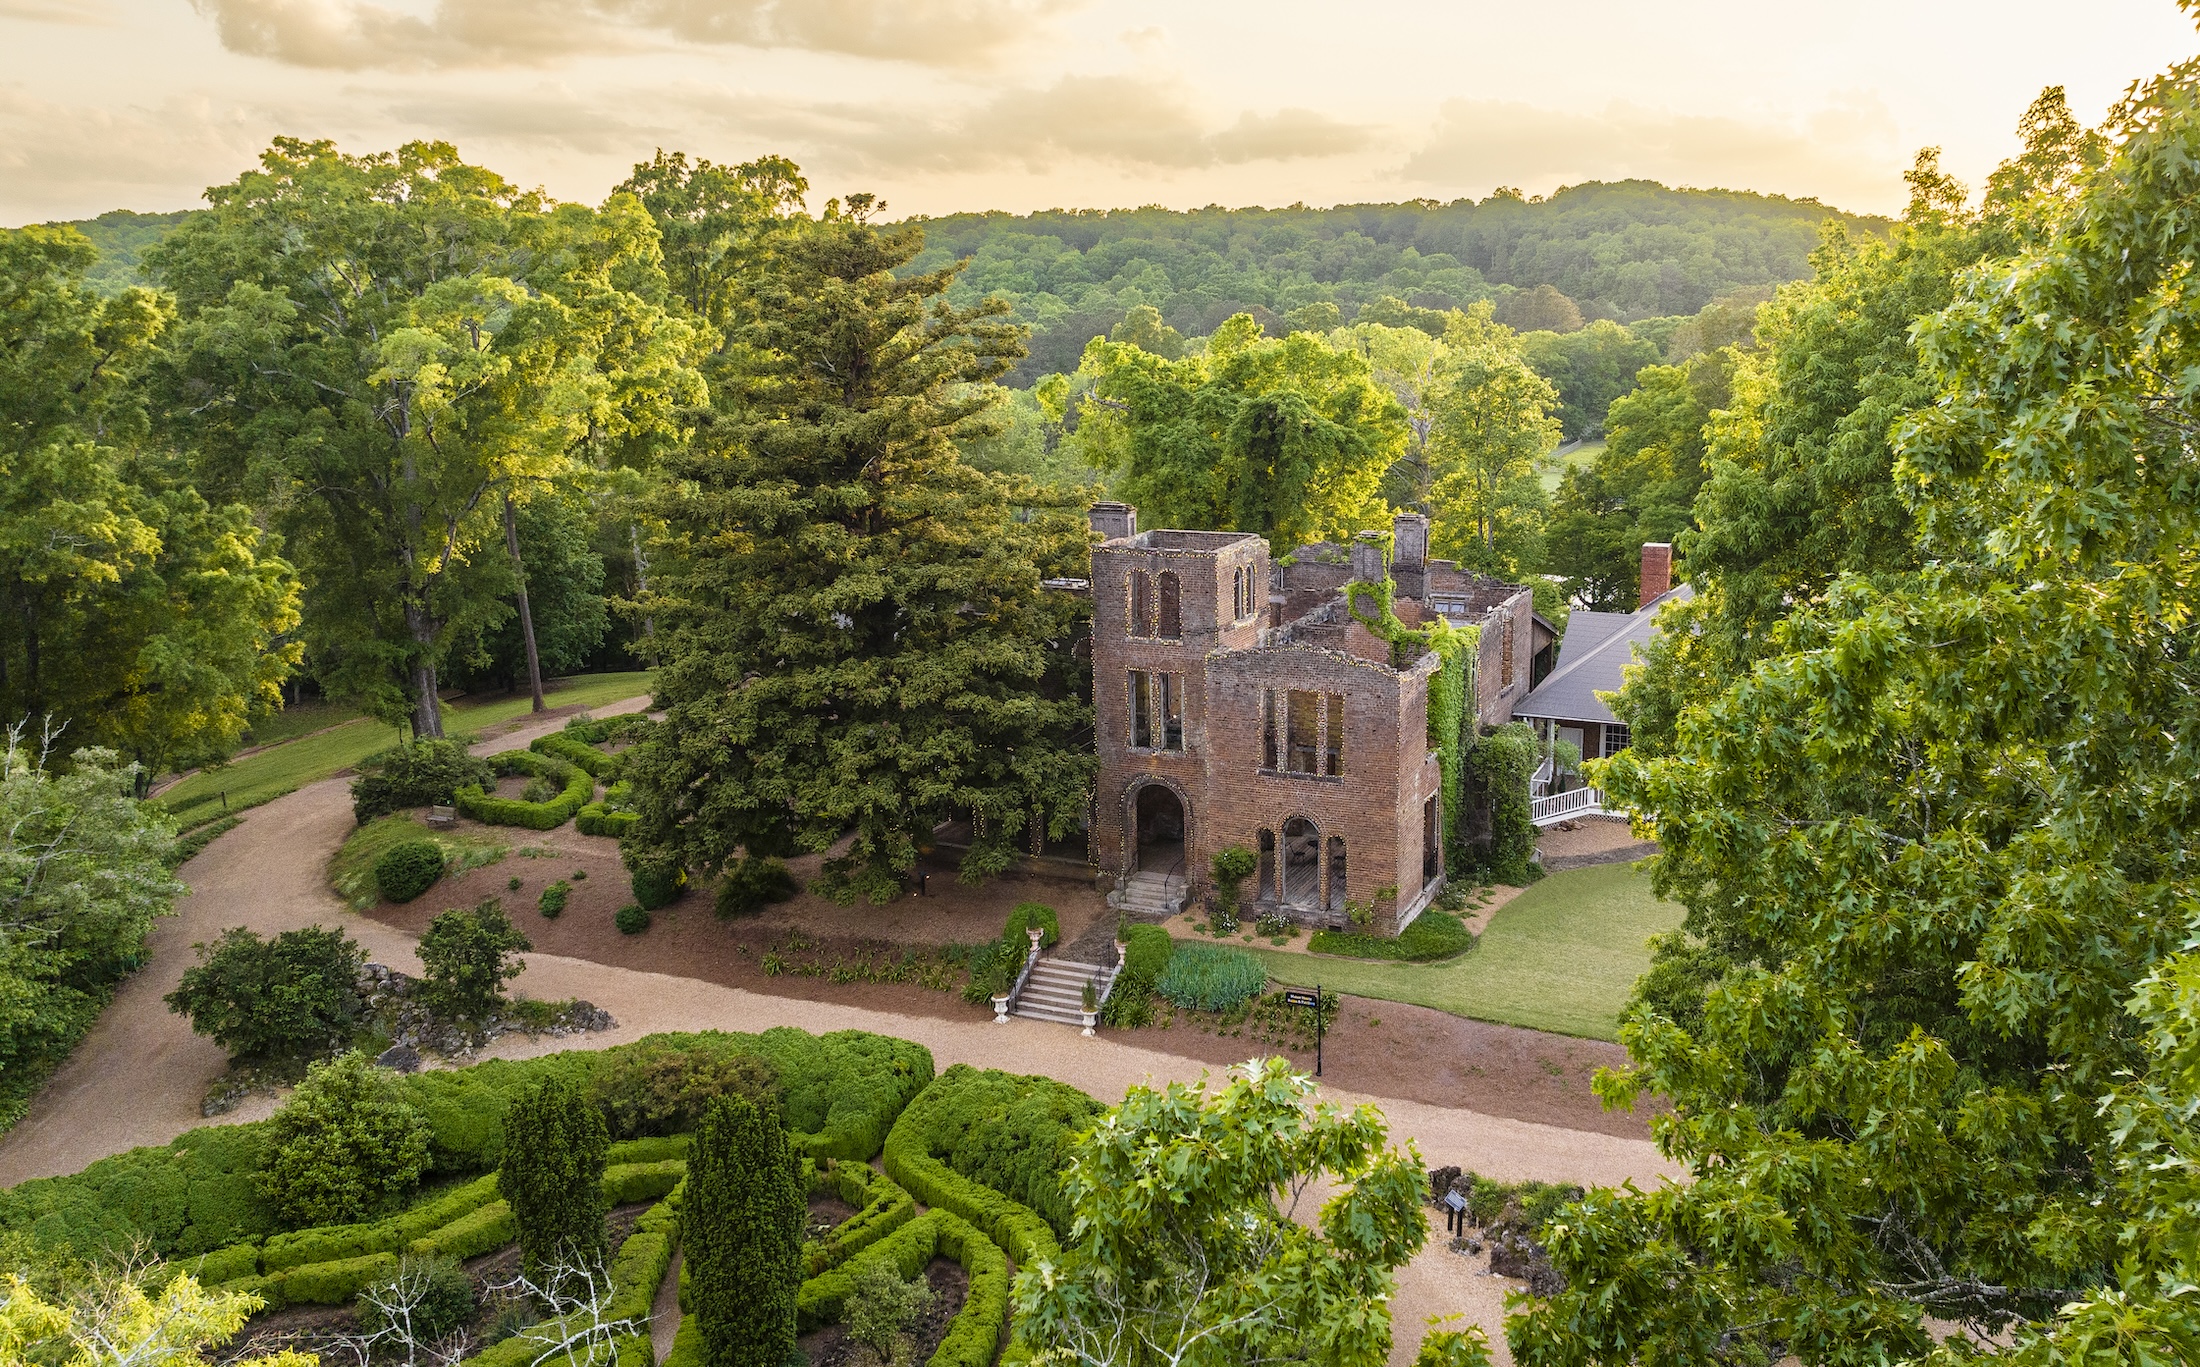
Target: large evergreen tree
(854,634)
(741,1226)
(555,1142)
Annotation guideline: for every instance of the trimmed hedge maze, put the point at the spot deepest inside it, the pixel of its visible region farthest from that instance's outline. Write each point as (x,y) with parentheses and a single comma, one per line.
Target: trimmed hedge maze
(972,1162)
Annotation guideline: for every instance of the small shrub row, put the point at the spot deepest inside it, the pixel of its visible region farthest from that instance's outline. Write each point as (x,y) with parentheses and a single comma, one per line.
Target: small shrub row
(597,818)
(881,1208)
(579,787)
(1433,935)
(564,745)
(1211,978)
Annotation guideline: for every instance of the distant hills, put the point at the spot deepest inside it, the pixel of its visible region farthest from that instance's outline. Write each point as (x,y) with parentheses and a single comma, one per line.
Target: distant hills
(1625,250)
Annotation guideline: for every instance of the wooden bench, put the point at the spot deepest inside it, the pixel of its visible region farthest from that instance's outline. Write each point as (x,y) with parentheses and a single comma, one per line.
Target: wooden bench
(442,816)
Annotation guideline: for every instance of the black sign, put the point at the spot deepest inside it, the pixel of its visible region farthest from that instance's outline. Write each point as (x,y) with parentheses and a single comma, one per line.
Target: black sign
(1294,996)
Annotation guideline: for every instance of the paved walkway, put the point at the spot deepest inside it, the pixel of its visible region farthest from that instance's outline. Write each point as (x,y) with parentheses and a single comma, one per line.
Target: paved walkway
(138,1077)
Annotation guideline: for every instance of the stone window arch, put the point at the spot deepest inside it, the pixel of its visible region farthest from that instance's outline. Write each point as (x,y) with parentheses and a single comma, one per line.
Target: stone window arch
(1171,626)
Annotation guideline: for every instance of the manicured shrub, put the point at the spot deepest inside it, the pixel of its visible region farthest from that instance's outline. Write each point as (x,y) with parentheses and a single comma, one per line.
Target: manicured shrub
(881,1208)
(424,773)
(576,785)
(345,1146)
(1433,935)
(435,1293)
(330,1283)
(1146,951)
(552,902)
(1130,1005)
(290,998)
(742,1215)
(552,1176)
(631,919)
(750,884)
(880,1307)
(568,747)
(1211,978)
(333,1243)
(654,1088)
(657,882)
(408,869)
(597,818)
(469,955)
(1231,866)
(991,1146)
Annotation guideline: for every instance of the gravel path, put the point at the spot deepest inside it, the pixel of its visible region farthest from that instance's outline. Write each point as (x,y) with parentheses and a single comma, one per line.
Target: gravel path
(138,1077)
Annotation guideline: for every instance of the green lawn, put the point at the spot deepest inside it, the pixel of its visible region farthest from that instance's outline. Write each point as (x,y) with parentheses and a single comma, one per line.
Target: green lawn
(1555,466)
(352,870)
(283,768)
(1562,957)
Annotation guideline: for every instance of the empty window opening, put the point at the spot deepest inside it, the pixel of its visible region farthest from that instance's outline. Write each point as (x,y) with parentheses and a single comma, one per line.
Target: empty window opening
(1268,738)
(1302,862)
(1333,744)
(1303,723)
(1172,621)
(1172,711)
(1141,710)
(1141,603)
(1432,852)
(1336,873)
(1159,815)
(1267,889)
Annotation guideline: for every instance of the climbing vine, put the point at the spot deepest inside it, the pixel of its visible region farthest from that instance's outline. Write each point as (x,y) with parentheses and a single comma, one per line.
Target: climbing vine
(1450,718)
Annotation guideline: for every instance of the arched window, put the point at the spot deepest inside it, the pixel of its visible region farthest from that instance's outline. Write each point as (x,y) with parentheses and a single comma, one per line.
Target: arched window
(1336,873)
(1302,860)
(1172,625)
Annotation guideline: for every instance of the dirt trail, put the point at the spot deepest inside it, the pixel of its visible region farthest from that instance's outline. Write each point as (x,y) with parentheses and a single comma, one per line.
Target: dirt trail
(138,1077)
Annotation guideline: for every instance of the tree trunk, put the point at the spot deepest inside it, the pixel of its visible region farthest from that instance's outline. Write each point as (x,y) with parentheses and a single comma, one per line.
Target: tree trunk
(427,708)
(641,581)
(526,614)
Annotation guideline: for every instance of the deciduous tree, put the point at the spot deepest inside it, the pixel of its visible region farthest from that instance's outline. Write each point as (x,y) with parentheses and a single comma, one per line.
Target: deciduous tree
(1493,423)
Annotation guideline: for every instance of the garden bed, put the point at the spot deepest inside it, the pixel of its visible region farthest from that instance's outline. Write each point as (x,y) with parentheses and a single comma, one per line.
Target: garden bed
(830,1346)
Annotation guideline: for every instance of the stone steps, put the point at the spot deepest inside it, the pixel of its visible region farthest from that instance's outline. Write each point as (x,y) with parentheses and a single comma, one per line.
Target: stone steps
(1055,991)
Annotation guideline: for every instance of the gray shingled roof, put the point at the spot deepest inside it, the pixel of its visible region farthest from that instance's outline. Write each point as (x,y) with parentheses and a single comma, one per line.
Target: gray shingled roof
(1592,663)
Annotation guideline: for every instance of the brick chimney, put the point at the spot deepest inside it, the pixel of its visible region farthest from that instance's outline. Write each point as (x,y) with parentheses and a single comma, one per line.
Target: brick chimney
(1409,554)
(1367,557)
(1113,520)
(1657,572)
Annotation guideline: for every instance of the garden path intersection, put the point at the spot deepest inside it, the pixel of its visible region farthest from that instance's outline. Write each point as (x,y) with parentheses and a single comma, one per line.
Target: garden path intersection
(139,1076)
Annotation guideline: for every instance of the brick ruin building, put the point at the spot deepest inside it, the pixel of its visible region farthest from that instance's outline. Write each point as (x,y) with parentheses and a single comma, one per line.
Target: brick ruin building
(1239,702)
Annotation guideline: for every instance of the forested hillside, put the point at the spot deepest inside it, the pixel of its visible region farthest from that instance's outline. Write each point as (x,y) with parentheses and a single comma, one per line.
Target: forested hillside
(1627,250)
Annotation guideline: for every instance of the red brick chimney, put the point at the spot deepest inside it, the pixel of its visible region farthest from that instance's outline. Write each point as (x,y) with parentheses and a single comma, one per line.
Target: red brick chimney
(1657,571)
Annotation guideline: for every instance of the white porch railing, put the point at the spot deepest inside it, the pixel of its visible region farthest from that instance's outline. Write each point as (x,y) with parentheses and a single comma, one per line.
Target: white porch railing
(1545,811)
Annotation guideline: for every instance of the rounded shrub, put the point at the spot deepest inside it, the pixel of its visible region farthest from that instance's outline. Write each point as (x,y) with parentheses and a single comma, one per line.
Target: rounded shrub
(552,902)
(631,919)
(346,1146)
(1211,978)
(657,883)
(408,869)
(751,884)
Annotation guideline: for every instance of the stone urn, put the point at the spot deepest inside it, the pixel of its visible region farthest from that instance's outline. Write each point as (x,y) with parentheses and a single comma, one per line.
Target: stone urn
(1000,1008)
(1092,1018)
(1036,934)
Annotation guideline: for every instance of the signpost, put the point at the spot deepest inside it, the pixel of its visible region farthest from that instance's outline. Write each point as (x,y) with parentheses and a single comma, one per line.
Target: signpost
(1299,996)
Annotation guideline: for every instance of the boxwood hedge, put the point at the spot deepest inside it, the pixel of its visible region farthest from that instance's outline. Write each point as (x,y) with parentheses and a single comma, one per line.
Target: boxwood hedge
(990,1147)
(580,786)
(840,1093)
(881,1208)
(569,747)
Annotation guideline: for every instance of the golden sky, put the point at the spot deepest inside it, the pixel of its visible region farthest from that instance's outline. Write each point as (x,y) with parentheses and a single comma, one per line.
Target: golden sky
(944,105)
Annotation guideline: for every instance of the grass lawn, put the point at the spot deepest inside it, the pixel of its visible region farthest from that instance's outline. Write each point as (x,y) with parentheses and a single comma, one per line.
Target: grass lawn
(302,719)
(1562,957)
(352,870)
(1556,466)
(283,768)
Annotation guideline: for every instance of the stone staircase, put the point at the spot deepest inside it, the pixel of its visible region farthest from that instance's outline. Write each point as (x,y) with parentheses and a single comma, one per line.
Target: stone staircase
(1154,895)
(1056,991)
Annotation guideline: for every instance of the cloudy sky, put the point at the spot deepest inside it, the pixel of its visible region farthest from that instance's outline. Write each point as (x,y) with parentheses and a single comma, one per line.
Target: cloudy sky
(942,105)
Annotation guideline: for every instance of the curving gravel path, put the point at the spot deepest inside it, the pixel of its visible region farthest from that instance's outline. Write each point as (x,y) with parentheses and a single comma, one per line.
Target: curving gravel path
(138,1077)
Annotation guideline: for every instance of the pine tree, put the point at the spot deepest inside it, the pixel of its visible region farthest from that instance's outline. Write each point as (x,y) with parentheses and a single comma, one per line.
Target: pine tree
(855,637)
(555,1143)
(743,1234)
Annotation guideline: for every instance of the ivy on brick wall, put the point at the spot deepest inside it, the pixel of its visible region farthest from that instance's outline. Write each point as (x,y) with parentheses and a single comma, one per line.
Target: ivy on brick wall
(1450,719)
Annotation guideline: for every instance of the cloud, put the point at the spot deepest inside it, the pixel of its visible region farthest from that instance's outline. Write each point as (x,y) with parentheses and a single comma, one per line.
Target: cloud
(64,161)
(1479,144)
(80,13)
(1130,122)
(549,116)
(356,35)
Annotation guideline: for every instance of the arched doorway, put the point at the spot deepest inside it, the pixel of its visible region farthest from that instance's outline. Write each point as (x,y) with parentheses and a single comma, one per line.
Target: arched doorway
(1158,820)
(1302,862)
